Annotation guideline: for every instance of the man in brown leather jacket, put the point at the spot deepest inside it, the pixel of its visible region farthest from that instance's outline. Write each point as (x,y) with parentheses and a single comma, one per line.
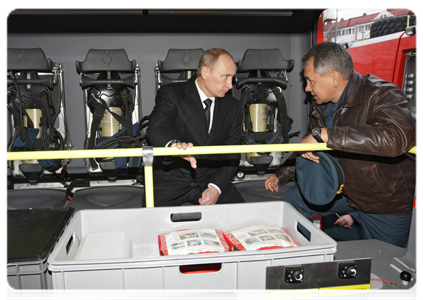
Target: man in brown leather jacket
(368,123)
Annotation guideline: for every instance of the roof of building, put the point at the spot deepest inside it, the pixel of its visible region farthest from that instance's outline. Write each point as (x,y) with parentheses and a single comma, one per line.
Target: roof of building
(363,19)
(366,18)
(400,12)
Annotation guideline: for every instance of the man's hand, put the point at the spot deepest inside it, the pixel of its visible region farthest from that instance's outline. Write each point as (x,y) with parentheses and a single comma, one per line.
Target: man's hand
(189,158)
(272,183)
(310,139)
(345,221)
(309,155)
(209,196)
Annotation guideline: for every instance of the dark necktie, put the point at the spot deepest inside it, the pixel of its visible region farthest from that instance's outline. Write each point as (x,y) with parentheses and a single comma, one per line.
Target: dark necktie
(208,103)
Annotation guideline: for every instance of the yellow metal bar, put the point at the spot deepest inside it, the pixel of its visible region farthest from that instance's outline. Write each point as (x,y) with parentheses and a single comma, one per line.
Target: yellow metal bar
(148,184)
(162,151)
(74,154)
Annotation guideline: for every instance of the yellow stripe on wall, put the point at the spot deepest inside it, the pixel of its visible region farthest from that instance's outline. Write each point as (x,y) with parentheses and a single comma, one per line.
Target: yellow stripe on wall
(344,290)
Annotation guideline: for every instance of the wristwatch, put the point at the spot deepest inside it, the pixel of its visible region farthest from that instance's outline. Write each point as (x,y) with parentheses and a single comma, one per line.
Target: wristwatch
(166,160)
(170,143)
(315,132)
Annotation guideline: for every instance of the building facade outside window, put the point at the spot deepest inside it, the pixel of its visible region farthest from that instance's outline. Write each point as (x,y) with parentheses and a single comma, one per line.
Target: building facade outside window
(346,27)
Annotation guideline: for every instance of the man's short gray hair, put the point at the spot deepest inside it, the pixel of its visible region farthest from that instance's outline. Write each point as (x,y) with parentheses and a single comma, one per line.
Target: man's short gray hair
(209,58)
(330,56)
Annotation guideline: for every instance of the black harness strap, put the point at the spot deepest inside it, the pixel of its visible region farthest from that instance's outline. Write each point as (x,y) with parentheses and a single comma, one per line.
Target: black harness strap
(100,107)
(13,108)
(247,98)
(20,130)
(46,114)
(125,121)
(283,118)
(129,108)
(97,116)
(246,120)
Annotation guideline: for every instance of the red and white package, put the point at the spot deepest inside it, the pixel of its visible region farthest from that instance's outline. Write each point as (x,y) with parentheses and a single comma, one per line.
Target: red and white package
(259,238)
(192,241)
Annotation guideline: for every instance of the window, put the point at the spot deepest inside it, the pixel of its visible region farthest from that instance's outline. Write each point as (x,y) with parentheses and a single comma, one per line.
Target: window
(361,29)
(331,15)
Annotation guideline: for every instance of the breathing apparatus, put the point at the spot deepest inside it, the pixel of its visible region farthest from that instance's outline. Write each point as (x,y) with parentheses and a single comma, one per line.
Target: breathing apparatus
(111,110)
(33,111)
(264,110)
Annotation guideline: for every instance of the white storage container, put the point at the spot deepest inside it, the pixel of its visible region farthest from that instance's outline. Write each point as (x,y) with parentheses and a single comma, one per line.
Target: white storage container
(146,269)
(105,245)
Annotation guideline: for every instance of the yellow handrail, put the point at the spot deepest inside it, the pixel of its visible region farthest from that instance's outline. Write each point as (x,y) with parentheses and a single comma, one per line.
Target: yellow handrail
(163,151)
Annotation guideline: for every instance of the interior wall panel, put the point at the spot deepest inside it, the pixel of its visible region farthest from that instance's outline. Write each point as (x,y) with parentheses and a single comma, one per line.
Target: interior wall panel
(147,49)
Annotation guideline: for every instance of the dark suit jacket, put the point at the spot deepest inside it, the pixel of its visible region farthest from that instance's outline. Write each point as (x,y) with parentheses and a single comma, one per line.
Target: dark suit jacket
(179,115)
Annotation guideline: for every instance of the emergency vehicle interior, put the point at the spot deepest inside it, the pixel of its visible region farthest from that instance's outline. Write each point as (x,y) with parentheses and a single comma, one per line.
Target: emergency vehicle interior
(112,62)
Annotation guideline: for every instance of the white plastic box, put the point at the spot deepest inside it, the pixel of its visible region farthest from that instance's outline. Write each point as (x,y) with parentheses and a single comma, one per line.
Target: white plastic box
(146,269)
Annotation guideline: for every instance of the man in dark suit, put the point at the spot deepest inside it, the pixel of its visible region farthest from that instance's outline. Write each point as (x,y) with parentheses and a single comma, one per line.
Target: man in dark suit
(179,119)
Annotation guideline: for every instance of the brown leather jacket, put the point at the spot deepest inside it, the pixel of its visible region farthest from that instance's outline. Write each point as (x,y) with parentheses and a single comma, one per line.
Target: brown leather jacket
(370,132)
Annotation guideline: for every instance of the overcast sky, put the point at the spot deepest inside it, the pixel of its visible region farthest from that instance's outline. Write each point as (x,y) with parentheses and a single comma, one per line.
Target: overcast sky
(351,13)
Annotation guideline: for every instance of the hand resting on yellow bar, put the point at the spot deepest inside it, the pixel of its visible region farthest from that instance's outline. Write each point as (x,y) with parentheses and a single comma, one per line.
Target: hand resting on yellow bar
(189,158)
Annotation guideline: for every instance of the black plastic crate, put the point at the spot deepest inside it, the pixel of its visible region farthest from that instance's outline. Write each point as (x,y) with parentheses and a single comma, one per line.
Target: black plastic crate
(31,236)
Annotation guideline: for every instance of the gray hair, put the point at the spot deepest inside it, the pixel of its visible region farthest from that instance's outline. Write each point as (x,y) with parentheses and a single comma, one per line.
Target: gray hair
(210,57)
(330,56)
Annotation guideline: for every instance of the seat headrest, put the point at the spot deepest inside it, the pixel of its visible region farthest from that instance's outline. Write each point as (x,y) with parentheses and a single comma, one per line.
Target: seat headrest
(100,60)
(181,60)
(264,59)
(29,59)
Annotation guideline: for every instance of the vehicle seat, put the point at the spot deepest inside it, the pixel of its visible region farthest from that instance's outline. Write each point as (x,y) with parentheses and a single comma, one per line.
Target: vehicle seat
(179,66)
(36,198)
(37,112)
(110,83)
(261,76)
(107,197)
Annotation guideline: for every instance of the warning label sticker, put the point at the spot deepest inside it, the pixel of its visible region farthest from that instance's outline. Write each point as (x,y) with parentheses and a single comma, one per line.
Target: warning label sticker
(344,290)
(320,292)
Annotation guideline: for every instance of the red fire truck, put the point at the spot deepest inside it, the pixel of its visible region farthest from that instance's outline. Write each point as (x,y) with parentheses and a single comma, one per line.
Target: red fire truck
(394,57)
(391,57)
